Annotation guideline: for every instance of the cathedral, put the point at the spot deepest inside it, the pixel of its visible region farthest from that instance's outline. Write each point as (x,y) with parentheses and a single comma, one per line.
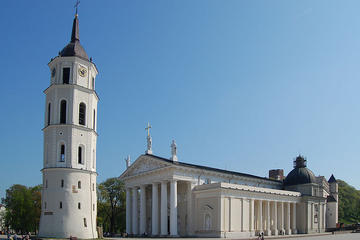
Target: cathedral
(166,197)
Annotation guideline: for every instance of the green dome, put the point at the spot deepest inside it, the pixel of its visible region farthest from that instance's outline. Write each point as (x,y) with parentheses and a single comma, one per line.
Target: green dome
(300,174)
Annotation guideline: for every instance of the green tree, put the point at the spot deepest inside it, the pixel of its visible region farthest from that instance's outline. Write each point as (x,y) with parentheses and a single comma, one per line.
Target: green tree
(23,207)
(111,205)
(349,203)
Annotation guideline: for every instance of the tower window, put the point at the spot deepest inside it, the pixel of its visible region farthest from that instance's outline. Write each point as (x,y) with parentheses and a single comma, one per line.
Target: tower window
(62,183)
(60,205)
(79,184)
(66,75)
(80,160)
(48,117)
(45,205)
(62,153)
(85,224)
(93,83)
(82,113)
(63,112)
(93,207)
(46,183)
(93,186)
(79,205)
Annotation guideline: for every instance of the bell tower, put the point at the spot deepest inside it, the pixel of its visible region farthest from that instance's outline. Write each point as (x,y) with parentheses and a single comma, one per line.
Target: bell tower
(69,168)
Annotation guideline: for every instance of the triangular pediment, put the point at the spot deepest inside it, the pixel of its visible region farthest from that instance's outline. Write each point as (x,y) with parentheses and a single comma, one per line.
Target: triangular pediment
(143,164)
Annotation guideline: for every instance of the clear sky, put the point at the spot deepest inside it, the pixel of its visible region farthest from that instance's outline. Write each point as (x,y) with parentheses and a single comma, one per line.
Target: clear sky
(240,85)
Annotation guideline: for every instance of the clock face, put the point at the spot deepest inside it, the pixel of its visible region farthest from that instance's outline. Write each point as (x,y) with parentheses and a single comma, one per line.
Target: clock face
(53,72)
(82,71)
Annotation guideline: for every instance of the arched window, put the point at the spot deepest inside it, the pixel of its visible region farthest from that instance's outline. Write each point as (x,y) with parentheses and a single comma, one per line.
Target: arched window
(82,113)
(62,153)
(94,120)
(49,113)
(63,112)
(80,153)
(79,184)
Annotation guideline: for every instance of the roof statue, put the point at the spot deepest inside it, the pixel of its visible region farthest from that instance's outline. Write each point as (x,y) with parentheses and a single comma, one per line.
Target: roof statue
(173,151)
(149,140)
(127,160)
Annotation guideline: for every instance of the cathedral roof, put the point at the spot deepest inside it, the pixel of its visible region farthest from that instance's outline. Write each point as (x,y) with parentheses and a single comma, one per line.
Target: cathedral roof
(212,169)
(300,174)
(330,198)
(332,179)
(74,48)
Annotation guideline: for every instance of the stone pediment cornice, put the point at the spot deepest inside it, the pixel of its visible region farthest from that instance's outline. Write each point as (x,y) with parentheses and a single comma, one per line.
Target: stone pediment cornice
(144,165)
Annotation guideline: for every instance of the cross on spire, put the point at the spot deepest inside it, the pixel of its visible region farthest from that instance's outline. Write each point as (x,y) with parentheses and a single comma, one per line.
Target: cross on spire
(76,6)
(148,129)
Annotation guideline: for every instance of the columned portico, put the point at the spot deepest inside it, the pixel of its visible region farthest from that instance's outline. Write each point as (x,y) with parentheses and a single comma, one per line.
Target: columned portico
(164,211)
(275,217)
(155,209)
(128,210)
(293,222)
(134,228)
(267,209)
(288,230)
(173,208)
(142,209)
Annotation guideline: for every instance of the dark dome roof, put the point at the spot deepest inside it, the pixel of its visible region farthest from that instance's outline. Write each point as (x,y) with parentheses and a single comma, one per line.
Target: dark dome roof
(300,174)
(74,48)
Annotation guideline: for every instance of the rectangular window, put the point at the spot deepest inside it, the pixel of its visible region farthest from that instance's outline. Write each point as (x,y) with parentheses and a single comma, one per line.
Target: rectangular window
(93,186)
(60,205)
(62,183)
(93,83)
(79,206)
(62,153)
(80,155)
(66,75)
(93,207)
(85,223)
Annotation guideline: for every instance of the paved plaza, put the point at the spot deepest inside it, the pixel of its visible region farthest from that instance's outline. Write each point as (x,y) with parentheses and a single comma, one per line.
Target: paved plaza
(340,236)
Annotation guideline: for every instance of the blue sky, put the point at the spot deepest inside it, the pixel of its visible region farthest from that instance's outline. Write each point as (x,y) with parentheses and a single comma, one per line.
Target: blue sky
(240,85)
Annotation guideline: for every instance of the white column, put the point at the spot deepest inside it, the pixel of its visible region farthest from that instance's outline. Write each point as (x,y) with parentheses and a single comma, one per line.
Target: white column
(164,214)
(324,215)
(293,227)
(135,229)
(142,209)
(312,216)
(173,208)
(260,218)
(276,231)
(128,211)
(281,218)
(288,229)
(189,227)
(155,210)
(242,214)
(267,207)
(252,215)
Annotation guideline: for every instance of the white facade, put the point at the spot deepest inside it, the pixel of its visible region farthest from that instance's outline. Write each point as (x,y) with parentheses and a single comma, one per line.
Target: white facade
(69,202)
(171,198)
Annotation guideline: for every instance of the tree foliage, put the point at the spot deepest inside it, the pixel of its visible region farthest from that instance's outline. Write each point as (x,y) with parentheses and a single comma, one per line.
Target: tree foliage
(111,205)
(349,203)
(23,208)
